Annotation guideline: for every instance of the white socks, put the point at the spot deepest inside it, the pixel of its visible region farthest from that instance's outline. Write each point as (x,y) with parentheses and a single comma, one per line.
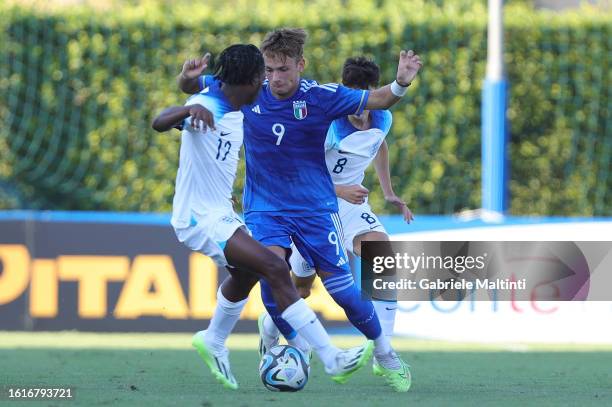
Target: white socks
(382,346)
(299,316)
(306,324)
(270,327)
(383,351)
(386,315)
(300,343)
(222,323)
(271,332)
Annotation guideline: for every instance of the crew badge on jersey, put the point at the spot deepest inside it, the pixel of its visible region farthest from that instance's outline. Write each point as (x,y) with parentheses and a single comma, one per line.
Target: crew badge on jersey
(300,110)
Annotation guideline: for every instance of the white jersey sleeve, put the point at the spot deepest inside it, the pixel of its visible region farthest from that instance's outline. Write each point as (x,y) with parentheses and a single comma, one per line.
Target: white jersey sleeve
(349,151)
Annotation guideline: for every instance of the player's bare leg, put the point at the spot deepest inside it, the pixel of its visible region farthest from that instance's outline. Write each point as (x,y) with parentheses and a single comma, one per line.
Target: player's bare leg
(303,284)
(248,254)
(251,261)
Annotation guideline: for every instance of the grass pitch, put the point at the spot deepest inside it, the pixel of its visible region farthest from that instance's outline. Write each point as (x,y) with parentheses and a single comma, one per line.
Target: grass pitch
(162,369)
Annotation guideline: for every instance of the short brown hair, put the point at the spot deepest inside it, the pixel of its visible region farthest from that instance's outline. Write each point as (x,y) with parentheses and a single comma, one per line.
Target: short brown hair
(286,42)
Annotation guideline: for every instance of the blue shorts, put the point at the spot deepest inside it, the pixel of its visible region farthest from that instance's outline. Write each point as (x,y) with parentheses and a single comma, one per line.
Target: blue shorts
(319,239)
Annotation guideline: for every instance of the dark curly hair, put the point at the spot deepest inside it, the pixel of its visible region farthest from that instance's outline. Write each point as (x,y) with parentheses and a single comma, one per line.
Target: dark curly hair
(360,72)
(239,64)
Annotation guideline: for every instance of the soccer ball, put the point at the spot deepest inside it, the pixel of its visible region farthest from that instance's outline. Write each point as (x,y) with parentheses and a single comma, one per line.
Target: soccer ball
(284,368)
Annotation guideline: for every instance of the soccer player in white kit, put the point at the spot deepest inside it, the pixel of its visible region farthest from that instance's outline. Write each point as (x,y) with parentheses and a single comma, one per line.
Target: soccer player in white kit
(205,221)
(352,144)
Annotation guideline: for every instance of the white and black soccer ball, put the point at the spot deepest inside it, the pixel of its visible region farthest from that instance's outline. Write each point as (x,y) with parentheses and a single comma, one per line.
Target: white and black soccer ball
(284,368)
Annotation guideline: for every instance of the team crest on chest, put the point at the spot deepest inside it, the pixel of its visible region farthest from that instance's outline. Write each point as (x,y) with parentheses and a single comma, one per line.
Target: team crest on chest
(299,109)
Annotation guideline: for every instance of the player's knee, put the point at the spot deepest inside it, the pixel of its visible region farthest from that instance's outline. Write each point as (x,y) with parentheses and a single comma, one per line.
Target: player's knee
(243,278)
(303,285)
(250,280)
(304,292)
(276,271)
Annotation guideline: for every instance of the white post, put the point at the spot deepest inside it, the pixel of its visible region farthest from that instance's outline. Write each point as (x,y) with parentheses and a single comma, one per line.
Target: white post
(495,41)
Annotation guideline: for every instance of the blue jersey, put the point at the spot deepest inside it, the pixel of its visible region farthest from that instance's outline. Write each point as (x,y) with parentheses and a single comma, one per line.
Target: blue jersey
(284,144)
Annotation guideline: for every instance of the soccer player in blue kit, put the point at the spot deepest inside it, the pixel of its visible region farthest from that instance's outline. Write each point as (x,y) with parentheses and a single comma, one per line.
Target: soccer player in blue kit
(289,195)
(353,143)
(204,219)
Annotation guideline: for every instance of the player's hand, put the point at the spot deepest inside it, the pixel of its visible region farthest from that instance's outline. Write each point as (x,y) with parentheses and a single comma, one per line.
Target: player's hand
(355,194)
(201,118)
(193,68)
(401,205)
(408,67)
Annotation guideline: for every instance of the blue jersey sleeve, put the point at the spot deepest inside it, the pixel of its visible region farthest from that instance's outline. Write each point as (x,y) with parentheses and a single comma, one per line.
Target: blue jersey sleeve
(338,101)
(205,81)
(387,121)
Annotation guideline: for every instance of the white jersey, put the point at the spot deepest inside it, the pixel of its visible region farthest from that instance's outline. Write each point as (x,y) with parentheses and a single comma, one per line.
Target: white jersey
(349,151)
(208,161)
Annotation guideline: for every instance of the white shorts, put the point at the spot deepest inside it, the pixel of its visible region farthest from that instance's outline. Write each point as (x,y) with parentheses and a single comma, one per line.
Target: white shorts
(356,220)
(299,265)
(210,234)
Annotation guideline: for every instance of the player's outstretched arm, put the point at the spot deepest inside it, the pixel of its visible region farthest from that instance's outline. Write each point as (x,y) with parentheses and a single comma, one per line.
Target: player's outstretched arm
(172,117)
(407,69)
(192,70)
(381,165)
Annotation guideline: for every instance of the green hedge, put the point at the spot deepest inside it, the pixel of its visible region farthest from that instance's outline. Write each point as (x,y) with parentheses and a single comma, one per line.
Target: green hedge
(79,87)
